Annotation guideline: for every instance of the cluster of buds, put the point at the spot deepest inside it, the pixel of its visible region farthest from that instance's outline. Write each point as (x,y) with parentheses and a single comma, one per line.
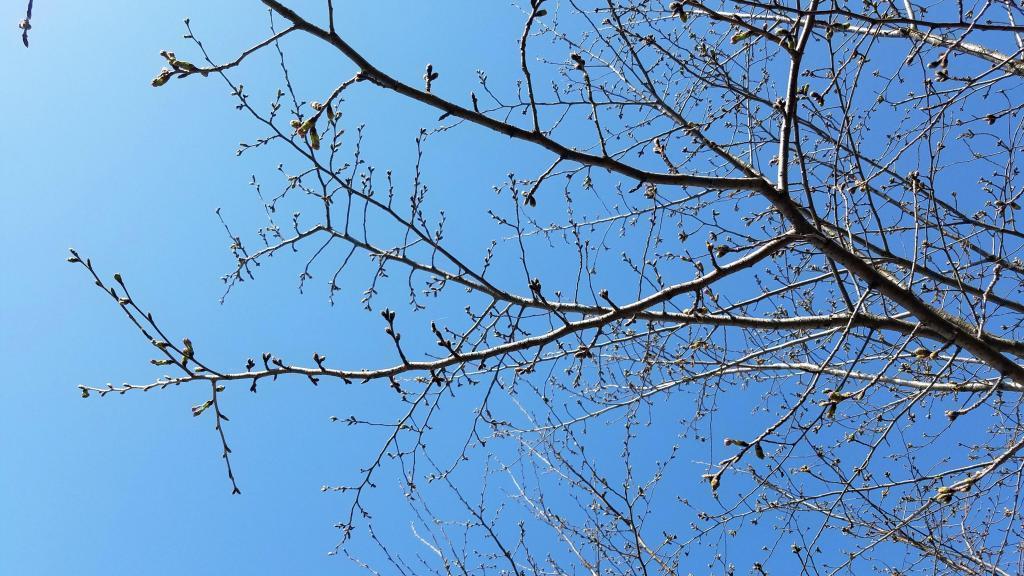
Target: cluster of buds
(677,10)
(429,76)
(944,495)
(308,128)
(180,67)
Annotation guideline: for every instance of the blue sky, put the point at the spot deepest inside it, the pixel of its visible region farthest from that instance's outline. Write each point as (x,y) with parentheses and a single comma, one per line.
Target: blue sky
(93,157)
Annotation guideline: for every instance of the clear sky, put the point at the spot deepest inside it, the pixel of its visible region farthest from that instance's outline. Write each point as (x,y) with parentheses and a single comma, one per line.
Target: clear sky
(92,156)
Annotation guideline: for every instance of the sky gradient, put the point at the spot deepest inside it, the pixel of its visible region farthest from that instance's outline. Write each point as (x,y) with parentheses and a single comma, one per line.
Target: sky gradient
(95,158)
